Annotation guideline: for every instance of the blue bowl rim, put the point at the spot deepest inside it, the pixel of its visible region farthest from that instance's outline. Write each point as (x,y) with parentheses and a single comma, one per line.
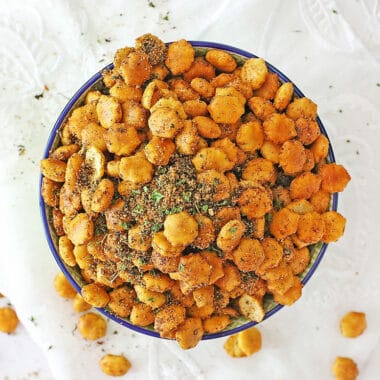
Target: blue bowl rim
(44,216)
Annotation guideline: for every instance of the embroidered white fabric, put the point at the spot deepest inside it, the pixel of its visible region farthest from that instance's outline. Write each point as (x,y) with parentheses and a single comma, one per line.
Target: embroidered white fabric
(330,49)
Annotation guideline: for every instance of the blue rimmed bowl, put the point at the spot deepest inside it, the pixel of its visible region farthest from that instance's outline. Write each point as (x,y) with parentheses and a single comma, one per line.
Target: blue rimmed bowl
(317,251)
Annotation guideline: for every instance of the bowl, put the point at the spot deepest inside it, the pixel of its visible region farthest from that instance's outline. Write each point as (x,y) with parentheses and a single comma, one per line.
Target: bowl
(73,274)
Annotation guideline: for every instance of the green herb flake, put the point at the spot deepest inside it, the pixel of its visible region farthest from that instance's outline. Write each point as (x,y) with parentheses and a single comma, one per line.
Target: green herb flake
(173,210)
(156,196)
(181,181)
(378,84)
(216,181)
(122,267)
(186,196)
(157,227)
(137,210)
(100,229)
(180,267)
(115,332)
(233,230)
(145,189)
(152,5)
(126,226)
(204,208)
(161,171)
(287,251)
(140,260)
(334,11)
(151,299)
(136,192)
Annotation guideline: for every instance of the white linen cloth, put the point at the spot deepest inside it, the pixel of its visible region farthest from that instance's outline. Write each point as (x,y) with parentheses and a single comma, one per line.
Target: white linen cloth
(330,49)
